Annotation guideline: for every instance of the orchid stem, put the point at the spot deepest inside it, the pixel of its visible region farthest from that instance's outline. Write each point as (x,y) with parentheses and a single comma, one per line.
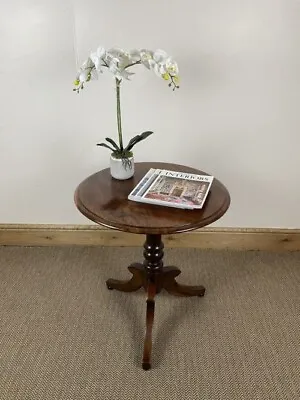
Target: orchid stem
(118,84)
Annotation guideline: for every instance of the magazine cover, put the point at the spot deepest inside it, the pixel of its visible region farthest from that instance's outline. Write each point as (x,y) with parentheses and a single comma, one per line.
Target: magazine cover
(172,189)
(179,188)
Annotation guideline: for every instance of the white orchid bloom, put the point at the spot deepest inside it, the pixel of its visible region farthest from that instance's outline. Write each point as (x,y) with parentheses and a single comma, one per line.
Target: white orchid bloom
(117,71)
(159,69)
(85,72)
(161,63)
(118,61)
(87,64)
(165,67)
(83,76)
(86,76)
(97,58)
(128,57)
(135,56)
(168,70)
(118,56)
(160,56)
(172,67)
(147,58)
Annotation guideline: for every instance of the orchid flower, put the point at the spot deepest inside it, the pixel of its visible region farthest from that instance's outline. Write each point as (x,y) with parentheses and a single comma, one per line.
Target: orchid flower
(118,61)
(97,58)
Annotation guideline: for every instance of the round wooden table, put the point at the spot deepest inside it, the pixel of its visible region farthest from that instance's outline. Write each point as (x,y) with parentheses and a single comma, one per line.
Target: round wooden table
(103,200)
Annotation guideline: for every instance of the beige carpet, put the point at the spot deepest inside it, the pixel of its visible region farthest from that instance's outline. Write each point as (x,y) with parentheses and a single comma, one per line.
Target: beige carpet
(63,335)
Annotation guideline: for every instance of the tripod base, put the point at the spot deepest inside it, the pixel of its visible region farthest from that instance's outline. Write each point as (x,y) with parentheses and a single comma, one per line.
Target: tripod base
(153,277)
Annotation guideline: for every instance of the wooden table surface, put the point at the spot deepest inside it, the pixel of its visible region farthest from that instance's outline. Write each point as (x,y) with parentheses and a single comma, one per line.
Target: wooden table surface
(103,200)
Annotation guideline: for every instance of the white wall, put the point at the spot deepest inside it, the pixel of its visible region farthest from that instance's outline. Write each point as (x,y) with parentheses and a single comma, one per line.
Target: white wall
(236,115)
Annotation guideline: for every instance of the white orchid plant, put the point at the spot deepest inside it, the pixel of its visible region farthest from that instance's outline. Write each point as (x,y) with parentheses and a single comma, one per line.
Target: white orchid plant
(118,62)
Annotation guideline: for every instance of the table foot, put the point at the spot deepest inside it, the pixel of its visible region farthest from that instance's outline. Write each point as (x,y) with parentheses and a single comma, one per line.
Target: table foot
(133,284)
(172,287)
(146,366)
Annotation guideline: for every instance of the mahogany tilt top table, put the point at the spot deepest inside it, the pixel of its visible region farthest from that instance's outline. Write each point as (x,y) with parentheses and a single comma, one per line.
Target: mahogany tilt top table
(103,200)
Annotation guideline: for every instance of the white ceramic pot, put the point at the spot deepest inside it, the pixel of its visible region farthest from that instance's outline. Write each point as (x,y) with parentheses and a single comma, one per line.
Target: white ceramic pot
(121,169)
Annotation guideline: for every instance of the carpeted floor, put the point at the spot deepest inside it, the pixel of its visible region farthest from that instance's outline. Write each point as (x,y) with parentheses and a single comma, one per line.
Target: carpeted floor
(63,335)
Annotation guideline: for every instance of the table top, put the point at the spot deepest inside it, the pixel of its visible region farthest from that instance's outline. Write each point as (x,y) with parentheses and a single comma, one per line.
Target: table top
(103,200)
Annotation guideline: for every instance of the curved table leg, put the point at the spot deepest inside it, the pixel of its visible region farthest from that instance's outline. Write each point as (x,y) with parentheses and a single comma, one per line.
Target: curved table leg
(146,364)
(135,283)
(153,277)
(175,288)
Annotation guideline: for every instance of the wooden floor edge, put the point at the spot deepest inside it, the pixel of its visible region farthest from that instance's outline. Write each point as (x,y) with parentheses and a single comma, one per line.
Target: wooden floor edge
(272,239)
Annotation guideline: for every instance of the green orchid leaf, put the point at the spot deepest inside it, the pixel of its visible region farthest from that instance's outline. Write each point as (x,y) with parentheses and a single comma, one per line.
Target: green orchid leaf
(136,139)
(109,140)
(105,145)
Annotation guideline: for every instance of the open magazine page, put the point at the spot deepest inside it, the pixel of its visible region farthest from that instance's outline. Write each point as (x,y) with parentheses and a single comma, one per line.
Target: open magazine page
(179,189)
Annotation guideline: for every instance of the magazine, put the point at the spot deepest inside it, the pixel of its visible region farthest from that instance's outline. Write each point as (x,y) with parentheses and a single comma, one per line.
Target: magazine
(172,189)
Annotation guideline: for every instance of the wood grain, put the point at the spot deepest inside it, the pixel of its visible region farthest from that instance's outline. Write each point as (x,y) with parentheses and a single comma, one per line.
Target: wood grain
(103,200)
(270,239)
